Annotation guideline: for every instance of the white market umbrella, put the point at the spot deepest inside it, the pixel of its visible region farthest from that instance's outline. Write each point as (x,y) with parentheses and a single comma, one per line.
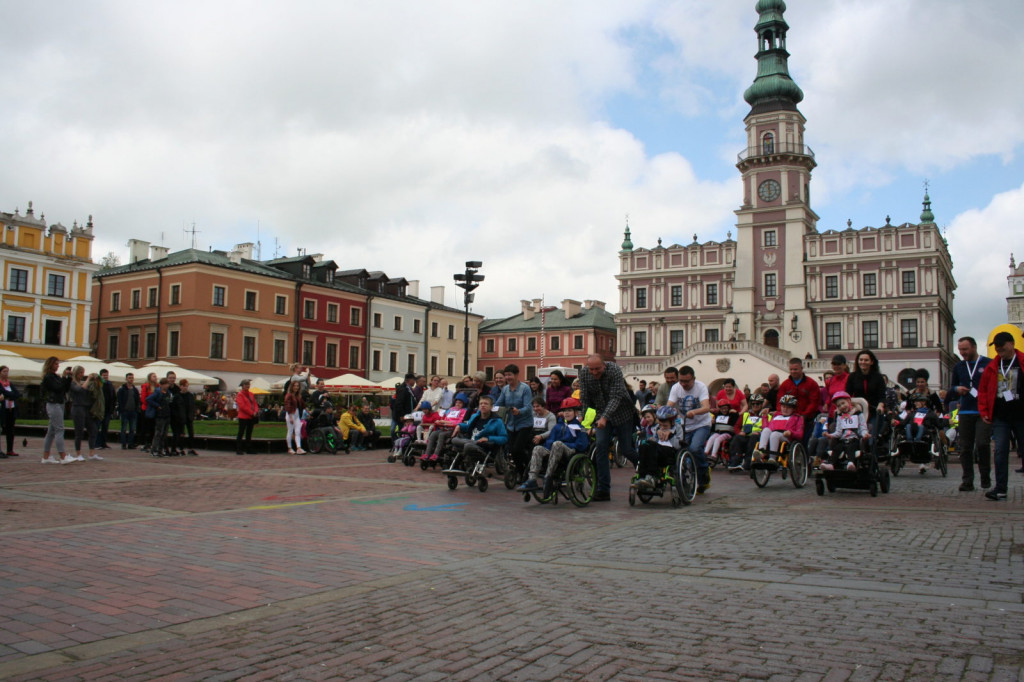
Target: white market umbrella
(350,383)
(162,367)
(389,384)
(93,365)
(21,368)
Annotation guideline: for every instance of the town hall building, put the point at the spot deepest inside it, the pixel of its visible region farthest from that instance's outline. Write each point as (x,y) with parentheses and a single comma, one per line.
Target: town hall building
(782,288)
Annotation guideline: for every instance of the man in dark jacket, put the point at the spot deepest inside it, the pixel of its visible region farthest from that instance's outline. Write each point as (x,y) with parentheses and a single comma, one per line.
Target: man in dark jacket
(405,402)
(973,435)
(109,399)
(128,405)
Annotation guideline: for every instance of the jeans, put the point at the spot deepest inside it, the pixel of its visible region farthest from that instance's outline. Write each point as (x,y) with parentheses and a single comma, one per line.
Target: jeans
(975,438)
(1001,429)
(603,438)
(128,420)
(55,428)
(915,432)
(698,438)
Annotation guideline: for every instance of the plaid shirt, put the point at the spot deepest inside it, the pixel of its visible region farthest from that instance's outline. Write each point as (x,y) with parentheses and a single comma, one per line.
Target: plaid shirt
(608,395)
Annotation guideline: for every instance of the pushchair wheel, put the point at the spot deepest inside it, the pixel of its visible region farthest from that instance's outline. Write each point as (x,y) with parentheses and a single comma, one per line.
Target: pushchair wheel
(819,486)
(453,483)
(424,464)
(391,459)
(481,485)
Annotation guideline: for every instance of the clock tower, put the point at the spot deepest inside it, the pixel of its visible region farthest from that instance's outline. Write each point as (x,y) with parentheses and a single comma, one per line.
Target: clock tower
(770,292)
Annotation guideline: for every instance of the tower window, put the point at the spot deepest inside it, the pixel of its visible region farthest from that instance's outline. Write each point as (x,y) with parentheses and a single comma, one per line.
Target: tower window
(768,143)
(771,238)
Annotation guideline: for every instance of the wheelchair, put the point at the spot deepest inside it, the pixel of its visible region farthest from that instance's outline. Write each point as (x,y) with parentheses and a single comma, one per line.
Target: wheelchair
(575,480)
(679,480)
(869,475)
(931,450)
(324,438)
(791,462)
(478,475)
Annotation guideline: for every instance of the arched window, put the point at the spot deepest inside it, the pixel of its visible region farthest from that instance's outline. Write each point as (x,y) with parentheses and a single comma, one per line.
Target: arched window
(771,338)
(768,143)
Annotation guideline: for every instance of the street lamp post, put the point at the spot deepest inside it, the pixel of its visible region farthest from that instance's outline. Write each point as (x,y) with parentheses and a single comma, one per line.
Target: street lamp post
(468,281)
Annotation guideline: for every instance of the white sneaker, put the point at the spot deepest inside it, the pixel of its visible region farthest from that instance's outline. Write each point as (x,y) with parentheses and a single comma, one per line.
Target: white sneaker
(290,451)
(300,451)
(79,458)
(96,457)
(68,459)
(49,460)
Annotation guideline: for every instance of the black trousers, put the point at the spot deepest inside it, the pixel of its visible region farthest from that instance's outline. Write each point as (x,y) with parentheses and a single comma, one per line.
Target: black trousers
(245,427)
(975,440)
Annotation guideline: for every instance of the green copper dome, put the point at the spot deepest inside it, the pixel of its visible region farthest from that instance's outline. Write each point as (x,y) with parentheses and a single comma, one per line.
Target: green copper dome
(773,88)
(926,215)
(627,243)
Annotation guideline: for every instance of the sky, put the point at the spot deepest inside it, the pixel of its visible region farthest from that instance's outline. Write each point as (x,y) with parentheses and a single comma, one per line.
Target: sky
(411,137)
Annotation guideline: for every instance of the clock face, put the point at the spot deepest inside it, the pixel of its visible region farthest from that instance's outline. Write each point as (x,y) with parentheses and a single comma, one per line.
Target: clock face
(769,190)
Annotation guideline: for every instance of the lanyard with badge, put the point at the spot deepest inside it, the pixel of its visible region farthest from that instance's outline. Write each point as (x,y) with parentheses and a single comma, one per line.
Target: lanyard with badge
(1004,375)
(970,376)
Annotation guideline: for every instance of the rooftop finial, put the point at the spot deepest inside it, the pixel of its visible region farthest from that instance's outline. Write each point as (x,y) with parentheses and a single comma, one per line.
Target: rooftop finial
(887,220)
(926,215)
(29,211)
(694,237)
(849,222)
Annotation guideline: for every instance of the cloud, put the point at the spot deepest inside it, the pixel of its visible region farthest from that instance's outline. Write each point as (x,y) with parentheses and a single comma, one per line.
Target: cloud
(981,240)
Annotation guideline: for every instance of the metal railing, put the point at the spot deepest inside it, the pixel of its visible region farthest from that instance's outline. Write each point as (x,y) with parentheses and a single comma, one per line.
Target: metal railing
(775,148)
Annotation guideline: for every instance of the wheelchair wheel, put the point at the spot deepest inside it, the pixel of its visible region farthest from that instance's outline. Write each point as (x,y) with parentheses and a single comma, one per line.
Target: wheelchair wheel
(798,465)
(830,485)
(895,463)
(424,464)
(581,480)
(686,477)
(316,442)
(761,475)
(511,480)
(943,458)
(330,441)
(819,486)
(884,482)
(470,480)
(873,489)
(481,485)
(501,464)
(536,494)
(391,458)
(632,497)
(617,456)
(645,497)
(453,482)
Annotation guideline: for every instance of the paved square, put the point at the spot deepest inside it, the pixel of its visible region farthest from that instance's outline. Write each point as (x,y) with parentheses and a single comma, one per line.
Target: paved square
(273,567)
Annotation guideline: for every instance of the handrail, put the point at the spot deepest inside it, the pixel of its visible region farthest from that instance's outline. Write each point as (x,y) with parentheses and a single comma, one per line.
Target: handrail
(773,149)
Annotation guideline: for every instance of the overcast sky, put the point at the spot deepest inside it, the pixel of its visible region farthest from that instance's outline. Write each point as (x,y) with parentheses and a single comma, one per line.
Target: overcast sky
(410,137)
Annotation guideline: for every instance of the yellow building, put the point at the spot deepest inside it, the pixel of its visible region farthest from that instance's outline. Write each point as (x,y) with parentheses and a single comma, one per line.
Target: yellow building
(47,286)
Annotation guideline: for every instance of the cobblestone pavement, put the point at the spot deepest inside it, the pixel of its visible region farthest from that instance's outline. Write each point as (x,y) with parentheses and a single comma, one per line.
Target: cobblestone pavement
(272,567)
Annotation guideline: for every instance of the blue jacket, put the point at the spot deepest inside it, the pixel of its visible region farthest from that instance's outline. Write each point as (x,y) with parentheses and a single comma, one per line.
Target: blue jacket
(155,403)
(492,428)
(522,398)
(572,434)
(962,377)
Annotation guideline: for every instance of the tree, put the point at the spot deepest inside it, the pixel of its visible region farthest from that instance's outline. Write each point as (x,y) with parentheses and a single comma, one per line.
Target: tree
(110,260)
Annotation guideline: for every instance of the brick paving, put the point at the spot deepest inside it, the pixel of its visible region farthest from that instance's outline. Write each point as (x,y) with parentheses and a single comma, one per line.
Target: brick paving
(324,567)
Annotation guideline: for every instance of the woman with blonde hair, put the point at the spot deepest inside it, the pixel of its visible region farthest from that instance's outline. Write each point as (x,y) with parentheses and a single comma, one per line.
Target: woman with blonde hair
(84,398)
(54,393)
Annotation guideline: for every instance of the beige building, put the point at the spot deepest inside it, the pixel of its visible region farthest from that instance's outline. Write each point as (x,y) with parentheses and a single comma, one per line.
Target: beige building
(1015,299)
(47,298)
(445,333)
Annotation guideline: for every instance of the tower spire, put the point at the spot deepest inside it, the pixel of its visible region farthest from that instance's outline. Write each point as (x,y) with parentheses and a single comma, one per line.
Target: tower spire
(773,88)
(927,217)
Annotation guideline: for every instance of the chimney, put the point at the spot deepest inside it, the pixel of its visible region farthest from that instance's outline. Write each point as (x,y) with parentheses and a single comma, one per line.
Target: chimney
(597,304)
(235,256)
(437,295)
(158,252)
(413,288)
(571,308)
(244,250)
(528,311)
(137,250)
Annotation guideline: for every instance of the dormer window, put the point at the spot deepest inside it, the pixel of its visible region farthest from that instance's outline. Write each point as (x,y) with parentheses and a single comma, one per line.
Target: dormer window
(306,270)
(401,291)
(329,276)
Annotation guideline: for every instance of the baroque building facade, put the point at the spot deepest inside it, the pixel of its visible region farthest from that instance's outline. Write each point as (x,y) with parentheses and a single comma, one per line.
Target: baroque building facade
(1015,299)
(783,288)
(47,297)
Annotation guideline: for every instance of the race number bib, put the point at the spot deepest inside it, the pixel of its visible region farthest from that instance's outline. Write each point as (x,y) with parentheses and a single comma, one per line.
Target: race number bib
(845,422)
(722,419)
(540,423)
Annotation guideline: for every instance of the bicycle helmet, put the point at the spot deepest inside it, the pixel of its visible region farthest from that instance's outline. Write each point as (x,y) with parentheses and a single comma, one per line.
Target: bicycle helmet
(840,394)
(570,404)
(788,399)
(756,398)
(649,407)
(666,412)
(463,397)
(425,405)
(917,395)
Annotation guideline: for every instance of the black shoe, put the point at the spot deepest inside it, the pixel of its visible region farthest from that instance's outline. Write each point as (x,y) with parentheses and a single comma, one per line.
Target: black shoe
(995,495)
(602,496)
(967,487)
(1019,471)
(986,482)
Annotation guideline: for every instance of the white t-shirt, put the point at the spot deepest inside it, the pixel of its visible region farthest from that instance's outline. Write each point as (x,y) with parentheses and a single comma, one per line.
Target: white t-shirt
(691,400)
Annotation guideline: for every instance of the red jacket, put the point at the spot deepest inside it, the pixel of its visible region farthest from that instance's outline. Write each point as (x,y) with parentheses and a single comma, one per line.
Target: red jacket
(989,384)
(808,395)
(246,402)
(292,403)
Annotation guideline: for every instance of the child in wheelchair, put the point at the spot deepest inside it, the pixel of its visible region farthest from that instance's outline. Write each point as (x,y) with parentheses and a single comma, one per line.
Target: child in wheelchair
(783,427)
(920,424)
(723,427)
(848,436)
(442,429)
(659,450)
(486,433)
(566,439)
(406,434)
(751,423)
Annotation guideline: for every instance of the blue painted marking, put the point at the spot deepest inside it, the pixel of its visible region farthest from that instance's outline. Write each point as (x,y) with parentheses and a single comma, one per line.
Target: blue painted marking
(441,507)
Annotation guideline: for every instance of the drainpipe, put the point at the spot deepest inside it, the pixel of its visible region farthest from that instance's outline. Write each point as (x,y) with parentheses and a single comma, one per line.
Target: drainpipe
(366,346)
(298,300)
(99,318)
(426,336)
(159,304)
